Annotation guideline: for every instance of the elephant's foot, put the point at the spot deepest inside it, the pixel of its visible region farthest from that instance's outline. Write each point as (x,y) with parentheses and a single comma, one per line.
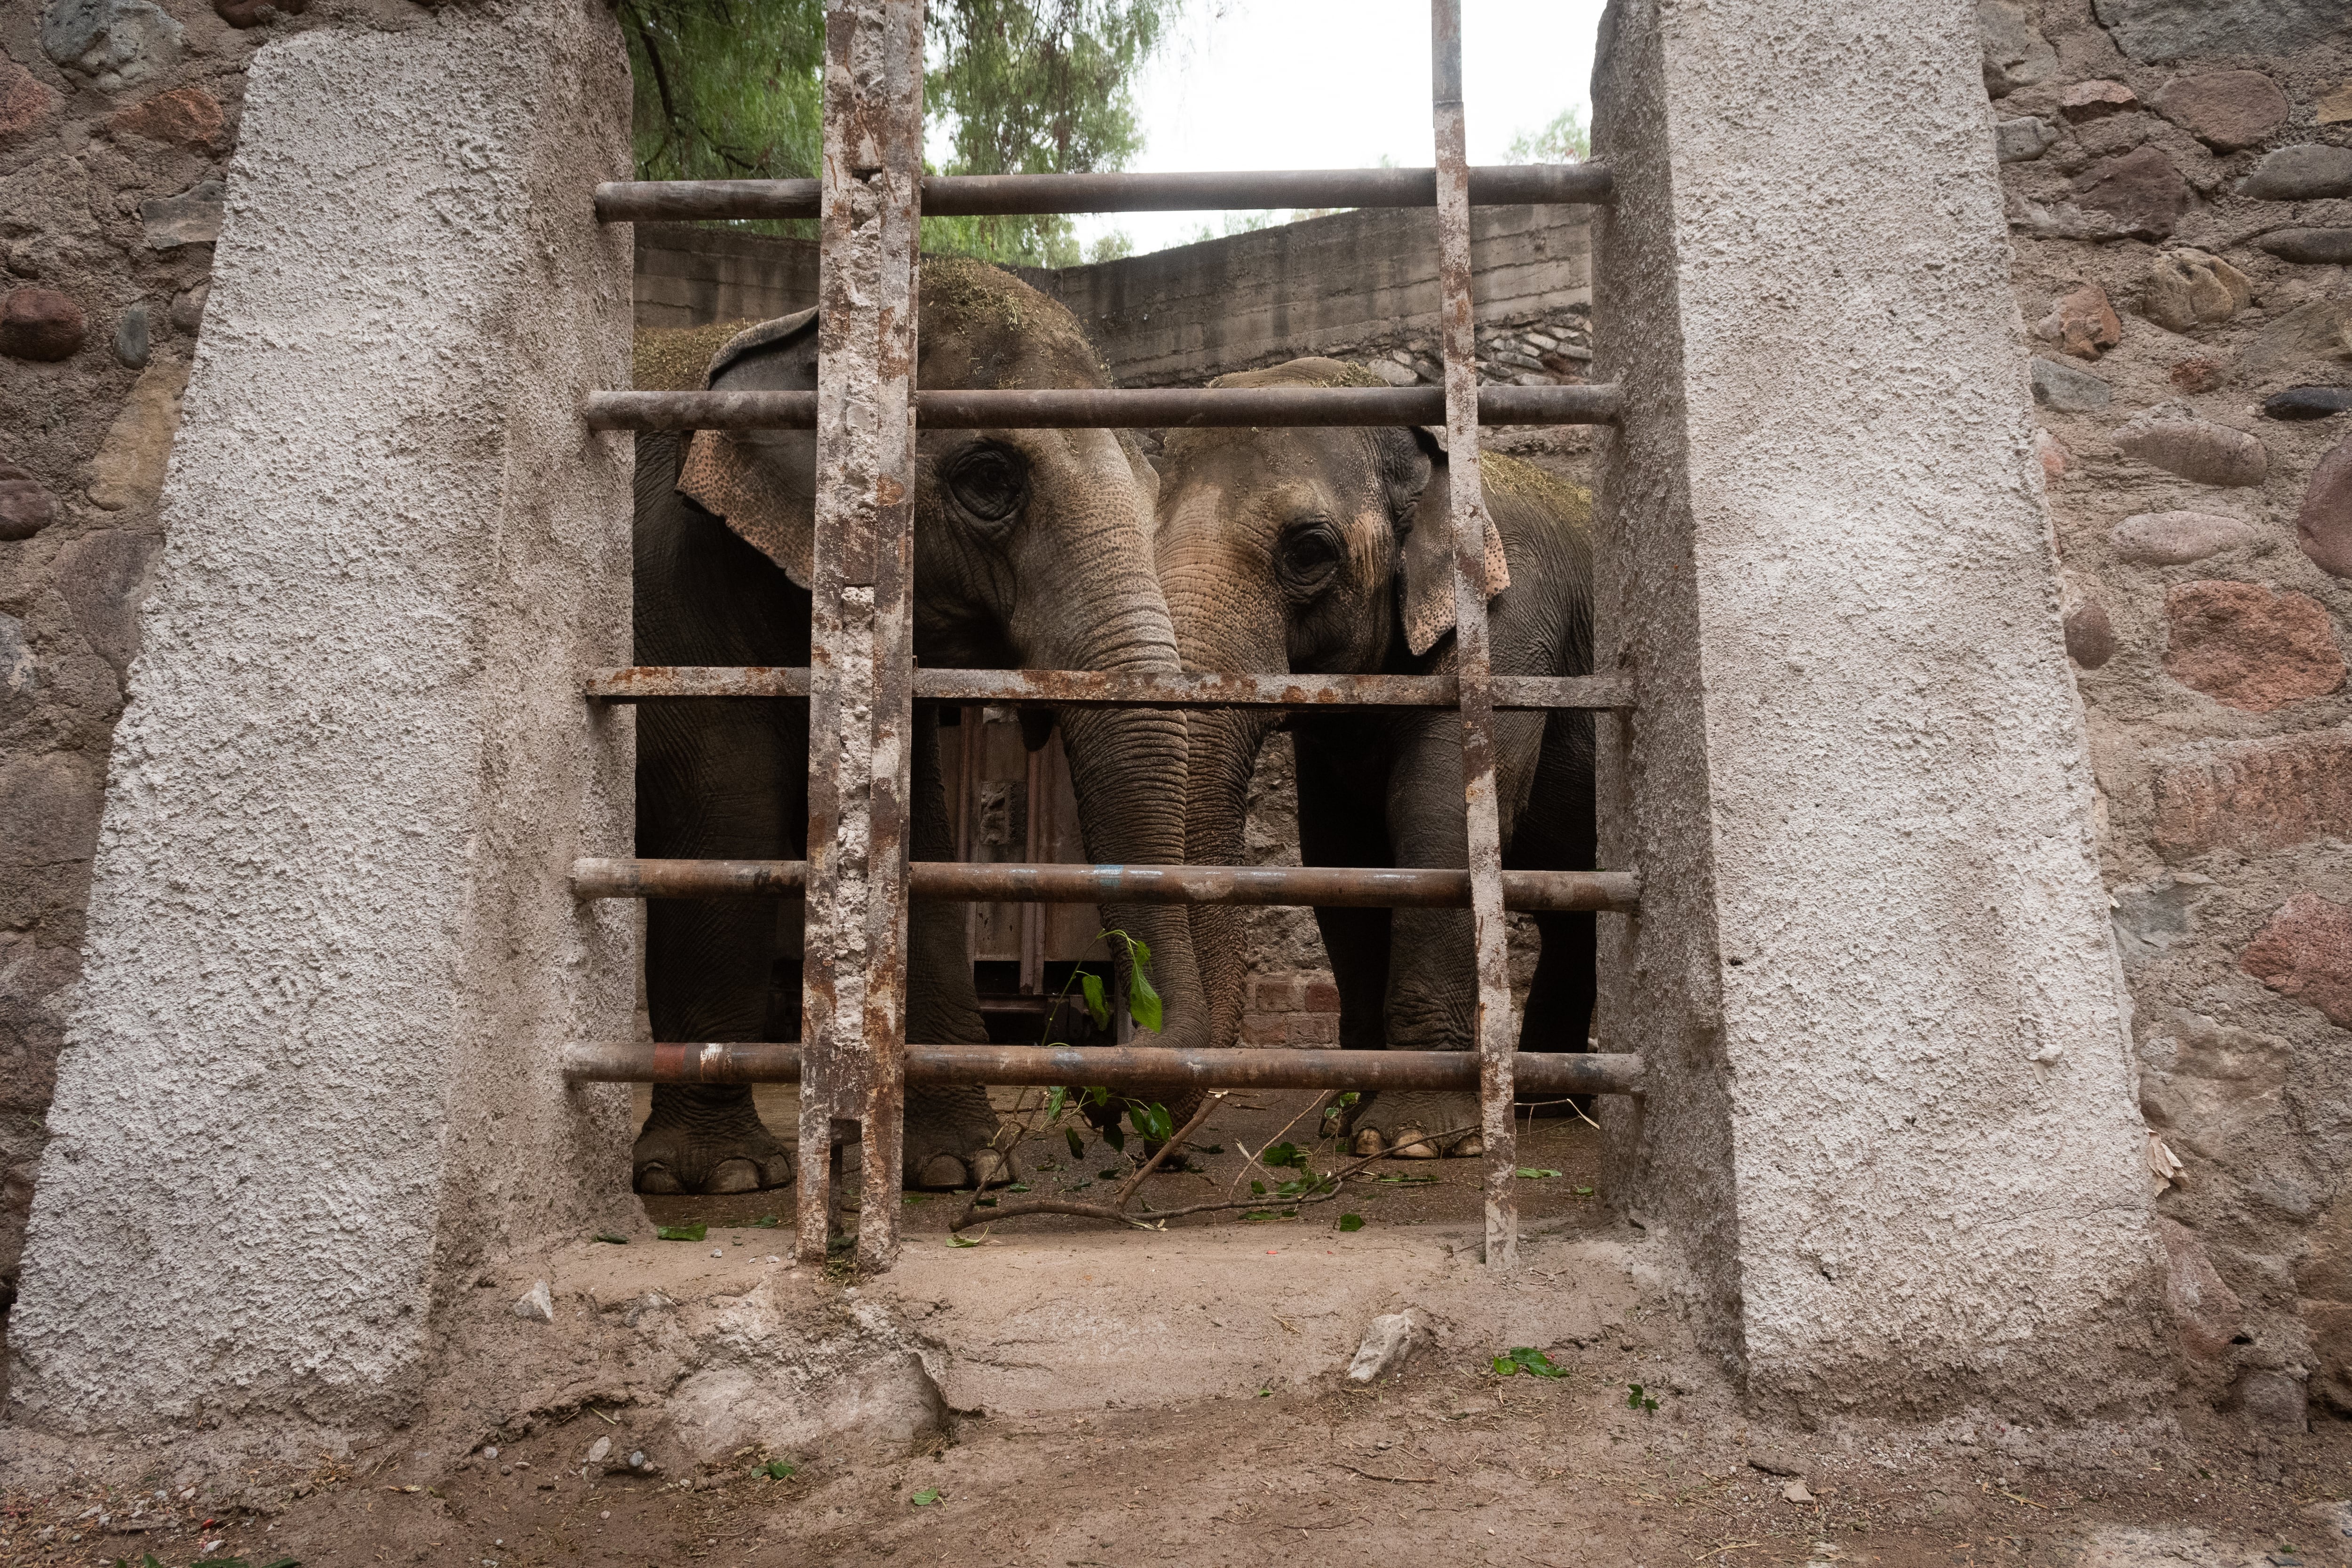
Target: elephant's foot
(708,1141)
(1418,1125)
(954,1138)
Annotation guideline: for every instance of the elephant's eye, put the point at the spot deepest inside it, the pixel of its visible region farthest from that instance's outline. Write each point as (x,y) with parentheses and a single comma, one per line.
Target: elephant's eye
(991,483)
(1307,556)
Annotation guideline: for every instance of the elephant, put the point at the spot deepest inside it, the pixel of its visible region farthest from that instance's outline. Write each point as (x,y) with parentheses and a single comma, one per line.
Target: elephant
(1330,550)
(1031,549)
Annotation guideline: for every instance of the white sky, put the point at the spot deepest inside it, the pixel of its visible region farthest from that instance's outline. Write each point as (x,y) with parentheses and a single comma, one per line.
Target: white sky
(1315,84)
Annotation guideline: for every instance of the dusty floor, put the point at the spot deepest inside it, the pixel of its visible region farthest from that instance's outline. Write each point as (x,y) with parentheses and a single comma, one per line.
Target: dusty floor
(1449,1463)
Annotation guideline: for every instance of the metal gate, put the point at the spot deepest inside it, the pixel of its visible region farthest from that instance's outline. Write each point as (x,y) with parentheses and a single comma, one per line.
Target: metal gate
(854,1061)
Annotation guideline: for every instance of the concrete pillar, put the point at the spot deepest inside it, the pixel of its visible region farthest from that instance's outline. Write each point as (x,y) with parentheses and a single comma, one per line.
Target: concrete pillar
(1892,1122)
(312,1076)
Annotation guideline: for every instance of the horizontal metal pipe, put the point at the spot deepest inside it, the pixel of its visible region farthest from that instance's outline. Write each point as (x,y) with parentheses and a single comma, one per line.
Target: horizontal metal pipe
(1133,408)
(1113,1067)
(1097,688)
(959,881)
(1017,196)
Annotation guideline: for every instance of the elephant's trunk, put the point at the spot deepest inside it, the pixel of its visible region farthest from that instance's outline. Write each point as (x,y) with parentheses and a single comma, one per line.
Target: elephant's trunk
(1100,608)
(1221,626)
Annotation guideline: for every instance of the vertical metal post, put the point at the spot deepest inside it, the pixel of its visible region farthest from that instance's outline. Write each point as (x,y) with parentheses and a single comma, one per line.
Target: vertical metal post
(861,651)
(1468,501)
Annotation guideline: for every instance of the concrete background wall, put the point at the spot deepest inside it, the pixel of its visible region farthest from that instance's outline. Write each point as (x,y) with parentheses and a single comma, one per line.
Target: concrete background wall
(313,1079)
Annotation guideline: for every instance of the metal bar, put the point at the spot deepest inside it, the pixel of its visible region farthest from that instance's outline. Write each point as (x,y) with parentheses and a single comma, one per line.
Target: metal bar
(1112,1066)
(1017,196)
(1131,408)
(1095,689)
(1006,882)
(861,695)
(1466,496)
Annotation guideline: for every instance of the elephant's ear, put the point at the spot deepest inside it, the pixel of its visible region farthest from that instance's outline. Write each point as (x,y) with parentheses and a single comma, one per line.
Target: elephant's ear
(1428,563)
(763,482)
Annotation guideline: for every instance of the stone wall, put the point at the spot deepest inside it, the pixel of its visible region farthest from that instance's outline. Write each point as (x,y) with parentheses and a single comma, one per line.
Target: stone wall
(117,118)
(2179,190)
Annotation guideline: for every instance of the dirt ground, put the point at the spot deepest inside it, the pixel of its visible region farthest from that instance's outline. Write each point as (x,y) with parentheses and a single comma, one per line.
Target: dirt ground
(1449,1462)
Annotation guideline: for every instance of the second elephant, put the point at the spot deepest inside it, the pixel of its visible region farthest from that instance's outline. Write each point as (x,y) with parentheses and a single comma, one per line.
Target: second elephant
(1331,551)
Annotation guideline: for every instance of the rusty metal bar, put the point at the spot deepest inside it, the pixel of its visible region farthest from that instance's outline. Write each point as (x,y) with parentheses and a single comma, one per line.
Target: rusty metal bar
(1495,1036)
(1095,689)
(861,694)
(1134,408)
(1017,196)
(1010,882)
(1113,1067)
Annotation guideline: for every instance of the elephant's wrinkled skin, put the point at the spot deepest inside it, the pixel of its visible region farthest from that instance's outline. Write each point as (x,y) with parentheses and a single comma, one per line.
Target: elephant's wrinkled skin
(1032,550)
(1329,551)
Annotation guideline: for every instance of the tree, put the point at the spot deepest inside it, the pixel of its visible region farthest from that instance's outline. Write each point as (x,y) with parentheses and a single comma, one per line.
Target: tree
(733,89)
(1564,140)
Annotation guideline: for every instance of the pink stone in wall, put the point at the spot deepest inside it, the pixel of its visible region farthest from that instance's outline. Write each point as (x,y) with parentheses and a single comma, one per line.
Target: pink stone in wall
(2271,794)
(2207,1313)
(2082,324)
(2140,193)
(2227,110)
(2095,100)
(2305,952)
(2053,453)
(2324,527)
(41,325)
(25,102)
(186,117)
(2250,648)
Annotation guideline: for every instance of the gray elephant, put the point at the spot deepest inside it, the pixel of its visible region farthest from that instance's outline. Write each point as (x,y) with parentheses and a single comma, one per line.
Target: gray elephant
(1032,550)
(1327,551)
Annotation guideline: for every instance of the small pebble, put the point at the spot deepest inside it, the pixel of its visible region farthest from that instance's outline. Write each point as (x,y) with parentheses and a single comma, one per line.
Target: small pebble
(715,1252)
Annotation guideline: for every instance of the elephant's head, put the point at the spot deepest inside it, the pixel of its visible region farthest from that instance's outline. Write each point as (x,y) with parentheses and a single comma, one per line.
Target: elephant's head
(1303,551)
(1032,550)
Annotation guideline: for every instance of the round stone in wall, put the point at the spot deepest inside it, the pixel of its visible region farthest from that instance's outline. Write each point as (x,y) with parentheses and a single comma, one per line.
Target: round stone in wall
(2323,526)
(2305,952)
(2310,247)
(2225,109)
(41,325)
(2177,538)
(2197,449)
(26,508)
(2089,635)
(2301,175)
(2249,647)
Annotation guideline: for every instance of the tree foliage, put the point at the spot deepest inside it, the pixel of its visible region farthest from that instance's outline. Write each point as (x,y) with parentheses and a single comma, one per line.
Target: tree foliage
(733,89)
(1564,140)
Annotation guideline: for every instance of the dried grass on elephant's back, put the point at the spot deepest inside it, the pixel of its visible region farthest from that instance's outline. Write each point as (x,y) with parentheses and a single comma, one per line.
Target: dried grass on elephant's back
(673,359)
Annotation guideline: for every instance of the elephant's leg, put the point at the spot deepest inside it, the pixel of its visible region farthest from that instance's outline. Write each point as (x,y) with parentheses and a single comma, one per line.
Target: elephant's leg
(707,788)
(1341,822)
(1556,832)
(953,1137)
(1432,1001)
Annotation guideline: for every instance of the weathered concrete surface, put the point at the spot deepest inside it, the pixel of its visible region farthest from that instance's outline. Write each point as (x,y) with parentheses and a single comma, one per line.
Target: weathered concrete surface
(311,1079)
(1892,1117)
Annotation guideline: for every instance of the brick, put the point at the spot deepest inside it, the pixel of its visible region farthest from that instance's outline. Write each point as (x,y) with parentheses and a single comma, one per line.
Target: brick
(1322,997)
(2244,646)
(1265,1028)
(1274,996)
(2269,795)
(2305,952)
(1315,1029)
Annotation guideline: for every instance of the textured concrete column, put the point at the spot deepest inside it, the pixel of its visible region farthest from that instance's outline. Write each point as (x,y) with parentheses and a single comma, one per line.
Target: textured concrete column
(312,1076)
(1893,1121)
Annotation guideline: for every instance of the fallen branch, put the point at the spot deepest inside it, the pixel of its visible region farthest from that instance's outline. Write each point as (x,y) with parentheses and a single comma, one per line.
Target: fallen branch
(971,1215)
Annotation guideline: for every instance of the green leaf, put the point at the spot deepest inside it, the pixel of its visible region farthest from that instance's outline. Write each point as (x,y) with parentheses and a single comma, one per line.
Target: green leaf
(926,1497)
(614,1236)
(1097,1094)
(1098,1008)
(1282,1154)
(1266,1394)
(1142,1001)
(1257,1189)
(1408,1180)
(961,1241)
(1584,1192)
(1529,1360)
(766,1222)
(1259,1214)
(1018,1187)
(1351,1222)
(1535,1173)
(683,1232)
(1115,1138)
(1152,1122)
(1077,1144)
(777,1470)
(1350,1098)
(984,1203)
(1053,1099)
